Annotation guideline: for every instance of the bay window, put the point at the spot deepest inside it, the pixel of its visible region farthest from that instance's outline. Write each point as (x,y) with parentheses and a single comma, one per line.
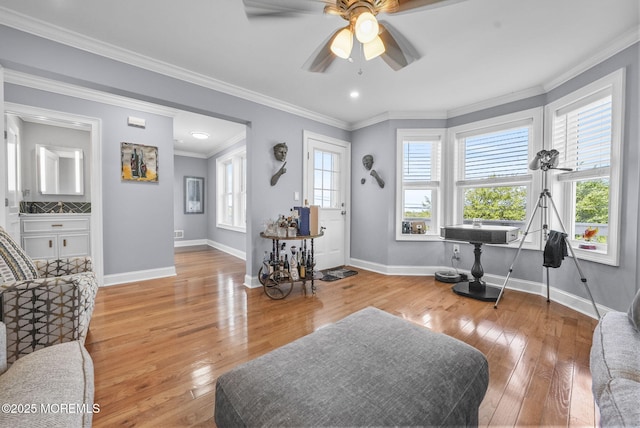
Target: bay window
(586,129)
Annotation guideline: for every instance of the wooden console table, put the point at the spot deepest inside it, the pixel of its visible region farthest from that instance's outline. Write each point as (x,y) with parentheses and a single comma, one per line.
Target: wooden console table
(278,284)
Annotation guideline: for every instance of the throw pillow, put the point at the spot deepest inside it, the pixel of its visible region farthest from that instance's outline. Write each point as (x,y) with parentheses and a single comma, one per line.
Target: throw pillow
(15,264)
(634,312)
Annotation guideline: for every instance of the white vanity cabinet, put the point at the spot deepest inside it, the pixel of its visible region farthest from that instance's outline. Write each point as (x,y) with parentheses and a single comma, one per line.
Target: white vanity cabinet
(56,236)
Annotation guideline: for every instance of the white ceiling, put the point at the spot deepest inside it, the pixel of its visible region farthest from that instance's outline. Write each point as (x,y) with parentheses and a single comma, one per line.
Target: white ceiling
(473,51)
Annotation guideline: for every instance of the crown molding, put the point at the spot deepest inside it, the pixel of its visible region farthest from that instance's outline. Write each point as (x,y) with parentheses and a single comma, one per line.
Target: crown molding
(58,34)
(608,50)
(229,143)
(496,101)
(62,88)
(42,29)
(189,154)
(399,115)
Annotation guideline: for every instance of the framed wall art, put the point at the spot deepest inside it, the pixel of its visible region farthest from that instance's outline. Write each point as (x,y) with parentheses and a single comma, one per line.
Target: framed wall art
(193,195)
(139,162)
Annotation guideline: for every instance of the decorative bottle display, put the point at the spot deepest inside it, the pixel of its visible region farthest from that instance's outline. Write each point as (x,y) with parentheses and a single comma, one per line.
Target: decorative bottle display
(282,268)
(299,266)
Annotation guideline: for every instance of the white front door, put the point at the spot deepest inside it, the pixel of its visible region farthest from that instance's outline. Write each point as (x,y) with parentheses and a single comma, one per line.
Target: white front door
(327,184)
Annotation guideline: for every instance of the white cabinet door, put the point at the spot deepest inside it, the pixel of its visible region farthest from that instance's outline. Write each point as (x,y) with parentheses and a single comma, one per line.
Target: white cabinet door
(73,245)
(41,246)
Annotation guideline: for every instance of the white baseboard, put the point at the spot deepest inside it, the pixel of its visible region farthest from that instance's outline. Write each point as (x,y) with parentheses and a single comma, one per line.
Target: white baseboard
(224,248)
(569,300)
(141,275)
(229,250)
(251,282)
(190,243)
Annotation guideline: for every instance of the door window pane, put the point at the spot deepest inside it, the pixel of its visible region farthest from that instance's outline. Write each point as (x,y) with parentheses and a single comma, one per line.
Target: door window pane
(326,192)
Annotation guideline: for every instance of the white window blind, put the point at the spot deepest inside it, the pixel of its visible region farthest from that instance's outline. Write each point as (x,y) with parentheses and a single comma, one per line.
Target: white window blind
(418,164)
(582,133)
(496,154)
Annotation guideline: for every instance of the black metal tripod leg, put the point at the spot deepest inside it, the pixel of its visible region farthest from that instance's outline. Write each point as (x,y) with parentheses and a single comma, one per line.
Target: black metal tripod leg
(515,258)
(575,259)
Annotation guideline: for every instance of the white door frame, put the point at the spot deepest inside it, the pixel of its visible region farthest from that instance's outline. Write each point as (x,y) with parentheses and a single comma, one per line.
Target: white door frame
(95,125)
(3,157)
(308,135)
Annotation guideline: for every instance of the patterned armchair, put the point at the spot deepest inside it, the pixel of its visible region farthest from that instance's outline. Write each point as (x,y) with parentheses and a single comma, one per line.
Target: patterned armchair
(43,302)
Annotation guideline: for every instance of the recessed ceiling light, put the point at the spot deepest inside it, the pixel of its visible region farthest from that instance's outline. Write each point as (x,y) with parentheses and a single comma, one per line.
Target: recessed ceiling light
(199,135)
(354,94)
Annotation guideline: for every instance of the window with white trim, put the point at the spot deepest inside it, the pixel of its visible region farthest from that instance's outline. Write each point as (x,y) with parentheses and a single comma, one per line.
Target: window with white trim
(419,193)
(586,129)
(493,183)
(231,194)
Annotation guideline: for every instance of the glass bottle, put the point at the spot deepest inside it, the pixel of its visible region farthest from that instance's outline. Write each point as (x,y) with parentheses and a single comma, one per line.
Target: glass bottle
(303,266)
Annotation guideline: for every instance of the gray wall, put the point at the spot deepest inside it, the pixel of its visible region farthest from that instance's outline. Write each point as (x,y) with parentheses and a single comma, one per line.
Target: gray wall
(31,54)
(143,213)
(193,225)
(137,216)
(611,286)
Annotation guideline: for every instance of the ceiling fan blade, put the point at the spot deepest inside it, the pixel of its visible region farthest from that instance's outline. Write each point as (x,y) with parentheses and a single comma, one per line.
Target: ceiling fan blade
(322,57)
(399,52)
(283,8)
(411,5)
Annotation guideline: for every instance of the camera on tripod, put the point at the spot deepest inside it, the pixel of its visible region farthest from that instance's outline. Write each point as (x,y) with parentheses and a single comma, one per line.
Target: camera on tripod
(545,160)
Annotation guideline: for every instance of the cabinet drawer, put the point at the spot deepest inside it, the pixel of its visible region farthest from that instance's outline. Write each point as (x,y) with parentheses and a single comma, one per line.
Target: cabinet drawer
(55,225)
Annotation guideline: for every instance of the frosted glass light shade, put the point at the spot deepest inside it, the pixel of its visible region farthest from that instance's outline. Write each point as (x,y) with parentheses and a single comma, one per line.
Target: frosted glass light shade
(373,49)
(366,27)
(342,43)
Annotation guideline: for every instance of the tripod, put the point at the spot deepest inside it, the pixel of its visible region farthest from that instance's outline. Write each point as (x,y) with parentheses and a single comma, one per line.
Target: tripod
(547,162)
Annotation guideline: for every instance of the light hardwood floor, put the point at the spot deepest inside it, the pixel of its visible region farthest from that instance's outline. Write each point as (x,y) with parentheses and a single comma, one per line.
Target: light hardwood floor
(158,346)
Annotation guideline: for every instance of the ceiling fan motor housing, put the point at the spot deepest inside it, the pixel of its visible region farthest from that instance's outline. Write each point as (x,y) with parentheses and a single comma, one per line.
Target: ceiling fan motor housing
(351,9)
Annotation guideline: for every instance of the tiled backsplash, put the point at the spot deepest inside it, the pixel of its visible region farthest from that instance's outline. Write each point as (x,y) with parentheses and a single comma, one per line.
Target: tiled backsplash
(54,207)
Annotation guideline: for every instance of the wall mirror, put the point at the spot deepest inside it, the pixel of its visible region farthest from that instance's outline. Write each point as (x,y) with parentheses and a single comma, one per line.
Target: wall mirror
(59,170)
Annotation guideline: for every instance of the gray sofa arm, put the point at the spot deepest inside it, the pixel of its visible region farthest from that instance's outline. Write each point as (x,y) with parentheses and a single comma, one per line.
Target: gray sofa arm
(52,387)
(46,311)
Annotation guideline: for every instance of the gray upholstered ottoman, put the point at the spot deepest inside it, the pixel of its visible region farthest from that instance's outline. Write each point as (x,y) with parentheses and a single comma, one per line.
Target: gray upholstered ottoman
(371,368)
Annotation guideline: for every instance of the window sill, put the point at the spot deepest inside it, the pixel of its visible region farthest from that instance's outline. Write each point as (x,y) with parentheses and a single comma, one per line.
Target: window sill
(597,255)
(233,228)
(417,237)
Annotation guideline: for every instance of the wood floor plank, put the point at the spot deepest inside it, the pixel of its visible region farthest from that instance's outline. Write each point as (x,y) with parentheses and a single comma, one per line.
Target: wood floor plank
(158,346)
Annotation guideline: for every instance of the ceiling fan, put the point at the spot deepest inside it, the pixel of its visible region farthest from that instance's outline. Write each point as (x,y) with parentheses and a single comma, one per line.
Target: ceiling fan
(378,38)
